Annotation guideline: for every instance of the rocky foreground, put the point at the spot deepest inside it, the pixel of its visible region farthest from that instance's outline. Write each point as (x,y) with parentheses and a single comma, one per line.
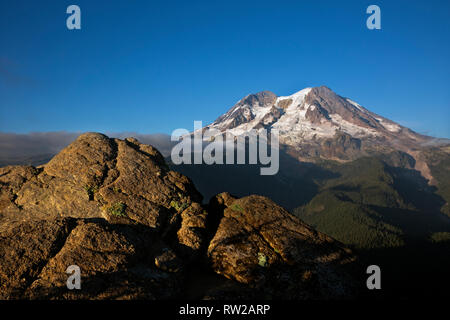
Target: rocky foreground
(140,231)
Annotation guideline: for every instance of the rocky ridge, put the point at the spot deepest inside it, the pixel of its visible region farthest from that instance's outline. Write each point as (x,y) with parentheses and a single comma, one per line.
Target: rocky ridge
(136,229)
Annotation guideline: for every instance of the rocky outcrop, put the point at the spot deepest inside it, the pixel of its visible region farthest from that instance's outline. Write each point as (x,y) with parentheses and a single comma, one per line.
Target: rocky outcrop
(342,146)
(284,104)
(328,101)
(115,198)
(270,118)
(98,177)
(242,112)
(262,99)
(316,114)
(116,261)
(260,244)
(138,230)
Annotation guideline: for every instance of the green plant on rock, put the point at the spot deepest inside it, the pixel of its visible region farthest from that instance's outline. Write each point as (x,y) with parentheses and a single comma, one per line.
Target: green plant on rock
(237,207)
(91,191)
(262,259)
(118,209)
(178,206)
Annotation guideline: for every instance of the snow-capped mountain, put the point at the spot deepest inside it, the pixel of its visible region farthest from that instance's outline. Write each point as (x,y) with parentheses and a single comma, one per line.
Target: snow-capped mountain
(316,122)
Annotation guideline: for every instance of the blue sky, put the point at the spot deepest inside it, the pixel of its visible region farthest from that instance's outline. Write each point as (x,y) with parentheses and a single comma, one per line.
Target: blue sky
(153,66)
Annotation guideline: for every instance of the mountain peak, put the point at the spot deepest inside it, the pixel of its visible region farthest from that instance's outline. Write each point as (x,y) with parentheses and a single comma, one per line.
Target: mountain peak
(323,88)
(311,117)
(261,98)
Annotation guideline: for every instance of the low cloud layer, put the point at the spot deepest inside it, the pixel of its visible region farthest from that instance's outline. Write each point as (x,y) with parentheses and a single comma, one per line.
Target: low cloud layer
(436,142)
(160,141)
(38,147)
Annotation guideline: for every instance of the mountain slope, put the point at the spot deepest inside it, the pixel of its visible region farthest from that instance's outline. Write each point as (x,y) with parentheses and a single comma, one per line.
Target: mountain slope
(316,122)
(365,180)
(380,206)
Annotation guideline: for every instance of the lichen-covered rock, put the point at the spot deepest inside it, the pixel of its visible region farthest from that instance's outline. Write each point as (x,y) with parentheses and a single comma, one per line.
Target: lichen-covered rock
(25,248)
(137,230)
(192,231)
(260,244)
(98,177)
(116,261)
(111,207)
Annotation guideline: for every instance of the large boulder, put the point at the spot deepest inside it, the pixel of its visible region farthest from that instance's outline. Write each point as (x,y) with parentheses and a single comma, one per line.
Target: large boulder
(98,177)
(260,244)
(110,206)
(116,261)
